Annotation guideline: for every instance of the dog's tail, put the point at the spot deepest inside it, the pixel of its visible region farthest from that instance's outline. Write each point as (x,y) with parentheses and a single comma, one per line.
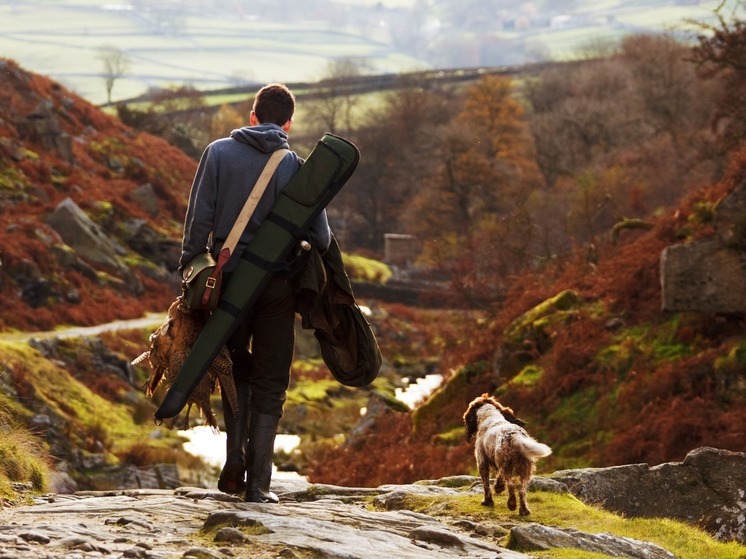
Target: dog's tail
(532,448)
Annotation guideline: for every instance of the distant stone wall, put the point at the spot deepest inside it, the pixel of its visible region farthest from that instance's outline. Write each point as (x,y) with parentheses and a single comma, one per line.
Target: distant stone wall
(401,250)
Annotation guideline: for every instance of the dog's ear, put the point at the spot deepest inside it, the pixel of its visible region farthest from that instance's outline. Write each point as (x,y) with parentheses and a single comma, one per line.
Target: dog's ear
(470,420)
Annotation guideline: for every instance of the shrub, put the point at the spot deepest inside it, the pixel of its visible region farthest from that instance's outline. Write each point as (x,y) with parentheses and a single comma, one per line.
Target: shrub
(22,459)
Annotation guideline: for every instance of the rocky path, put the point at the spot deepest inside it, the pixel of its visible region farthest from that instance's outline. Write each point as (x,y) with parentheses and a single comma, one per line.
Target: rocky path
(311,521)
(150,320)
(325,521)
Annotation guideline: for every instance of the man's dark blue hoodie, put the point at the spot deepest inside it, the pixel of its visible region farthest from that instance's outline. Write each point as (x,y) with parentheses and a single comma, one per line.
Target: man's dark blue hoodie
(227,172)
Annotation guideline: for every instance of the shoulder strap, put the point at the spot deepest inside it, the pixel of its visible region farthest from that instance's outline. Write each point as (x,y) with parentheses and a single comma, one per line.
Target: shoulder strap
(249,206)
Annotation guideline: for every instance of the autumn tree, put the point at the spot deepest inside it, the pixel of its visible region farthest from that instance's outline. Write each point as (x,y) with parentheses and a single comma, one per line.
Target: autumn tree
(472,210)
(484,165)
(721,56)
(580,112)
(226,119)
(397,140)
(618,137)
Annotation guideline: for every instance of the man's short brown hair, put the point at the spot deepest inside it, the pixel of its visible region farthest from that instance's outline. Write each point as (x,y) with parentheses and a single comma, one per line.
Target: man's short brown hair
(274,103)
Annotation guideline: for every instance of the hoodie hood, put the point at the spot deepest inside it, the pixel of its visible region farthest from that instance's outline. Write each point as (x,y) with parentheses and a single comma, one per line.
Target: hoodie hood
(263,137)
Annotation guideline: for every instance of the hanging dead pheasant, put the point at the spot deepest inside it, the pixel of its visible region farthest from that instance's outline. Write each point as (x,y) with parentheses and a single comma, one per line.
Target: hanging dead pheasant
(169,346)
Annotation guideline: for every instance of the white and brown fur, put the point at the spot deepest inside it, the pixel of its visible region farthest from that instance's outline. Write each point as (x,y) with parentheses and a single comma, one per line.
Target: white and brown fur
(170,345)
(503,445)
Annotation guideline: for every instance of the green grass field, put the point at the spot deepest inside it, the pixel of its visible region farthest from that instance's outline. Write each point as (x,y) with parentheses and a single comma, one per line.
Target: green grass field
(61,39)
(212,50)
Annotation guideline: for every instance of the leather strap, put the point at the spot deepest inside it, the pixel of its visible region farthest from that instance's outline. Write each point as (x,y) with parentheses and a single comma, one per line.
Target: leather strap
(249,206)
(243,219)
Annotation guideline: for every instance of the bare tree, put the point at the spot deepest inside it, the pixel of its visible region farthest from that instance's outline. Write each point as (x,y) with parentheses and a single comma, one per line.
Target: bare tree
(115,65)
(333,107)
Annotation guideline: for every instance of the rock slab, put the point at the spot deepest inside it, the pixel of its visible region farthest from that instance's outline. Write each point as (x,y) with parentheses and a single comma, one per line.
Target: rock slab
(707,489)
(158,524)
(537,537)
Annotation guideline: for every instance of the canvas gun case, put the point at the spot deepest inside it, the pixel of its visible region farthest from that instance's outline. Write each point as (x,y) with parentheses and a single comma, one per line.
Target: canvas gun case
(331,163)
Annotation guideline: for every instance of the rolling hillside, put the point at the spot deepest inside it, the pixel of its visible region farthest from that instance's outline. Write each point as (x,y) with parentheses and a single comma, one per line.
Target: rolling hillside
(55,146)
(586,355)
(609,379)
(209,45)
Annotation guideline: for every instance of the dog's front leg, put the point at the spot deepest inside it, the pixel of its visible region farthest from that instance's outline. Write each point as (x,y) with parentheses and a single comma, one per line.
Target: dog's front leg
(523,509)
(484,473)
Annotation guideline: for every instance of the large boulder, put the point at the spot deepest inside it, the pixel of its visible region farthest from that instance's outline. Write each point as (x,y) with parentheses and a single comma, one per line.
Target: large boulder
(703,277)
(91,243)
(709,275)
(83,235)
(707,489)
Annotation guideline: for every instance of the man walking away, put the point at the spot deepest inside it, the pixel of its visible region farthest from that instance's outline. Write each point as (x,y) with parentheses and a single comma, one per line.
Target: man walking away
(262,346)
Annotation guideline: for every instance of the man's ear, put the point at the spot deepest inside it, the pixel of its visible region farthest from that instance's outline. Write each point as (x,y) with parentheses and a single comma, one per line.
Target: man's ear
(287,125)
(253,119)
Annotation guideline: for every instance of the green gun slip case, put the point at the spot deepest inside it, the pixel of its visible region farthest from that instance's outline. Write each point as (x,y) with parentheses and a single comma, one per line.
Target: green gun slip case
(331,163)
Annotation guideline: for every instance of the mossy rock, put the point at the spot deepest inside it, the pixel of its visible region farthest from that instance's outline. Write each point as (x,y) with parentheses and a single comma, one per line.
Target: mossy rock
(529,336)
(454,482)
(452,437)
(540,315)
(529,376)
(390,399)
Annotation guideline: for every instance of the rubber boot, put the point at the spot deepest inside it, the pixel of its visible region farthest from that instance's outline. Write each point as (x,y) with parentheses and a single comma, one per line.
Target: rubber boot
(232,477)
(259,456)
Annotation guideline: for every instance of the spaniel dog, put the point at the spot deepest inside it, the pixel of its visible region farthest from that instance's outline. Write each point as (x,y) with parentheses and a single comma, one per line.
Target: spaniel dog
(503,445)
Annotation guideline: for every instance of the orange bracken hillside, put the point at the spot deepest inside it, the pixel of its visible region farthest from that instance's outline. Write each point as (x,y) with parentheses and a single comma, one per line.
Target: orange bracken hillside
(613,381)
(55,145)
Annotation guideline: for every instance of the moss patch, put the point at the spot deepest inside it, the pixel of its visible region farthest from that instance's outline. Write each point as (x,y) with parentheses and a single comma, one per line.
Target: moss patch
(529,376)
(566,511)
(660,342)
(574,425)
(365,269)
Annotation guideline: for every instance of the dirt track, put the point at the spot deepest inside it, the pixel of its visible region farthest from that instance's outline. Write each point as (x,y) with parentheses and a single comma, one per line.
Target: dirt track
(150,319)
